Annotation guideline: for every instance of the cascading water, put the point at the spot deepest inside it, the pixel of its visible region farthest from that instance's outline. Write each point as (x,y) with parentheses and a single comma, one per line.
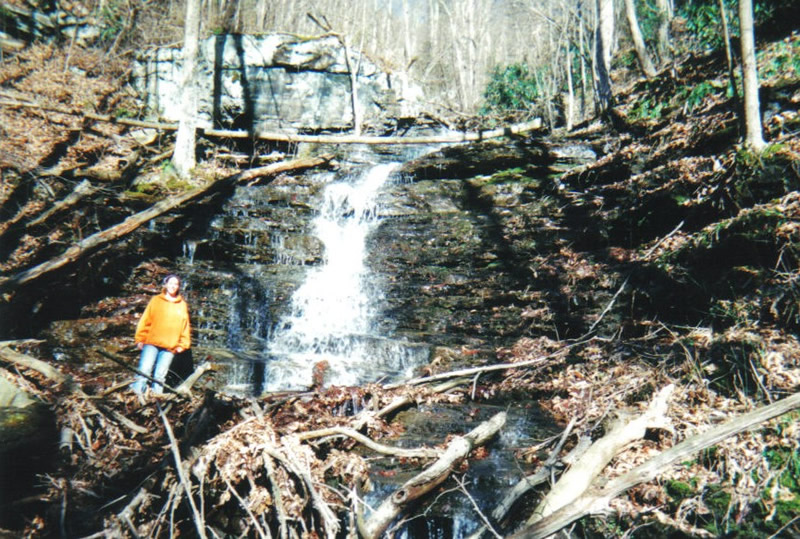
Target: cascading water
(332,322)
(311,281)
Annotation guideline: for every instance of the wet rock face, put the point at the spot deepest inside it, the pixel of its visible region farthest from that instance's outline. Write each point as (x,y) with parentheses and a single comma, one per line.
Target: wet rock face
(461,162)
(456,247)
(241,270)
(457,259)
(276,82)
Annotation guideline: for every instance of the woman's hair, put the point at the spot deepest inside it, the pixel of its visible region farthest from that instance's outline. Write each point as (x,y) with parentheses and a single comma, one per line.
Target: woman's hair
(170,276)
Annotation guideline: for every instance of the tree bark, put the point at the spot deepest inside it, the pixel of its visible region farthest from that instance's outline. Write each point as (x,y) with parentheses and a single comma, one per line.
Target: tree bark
(645,63)
(604,34)
(728,50)
(752,112)
(184,157)
(664,21)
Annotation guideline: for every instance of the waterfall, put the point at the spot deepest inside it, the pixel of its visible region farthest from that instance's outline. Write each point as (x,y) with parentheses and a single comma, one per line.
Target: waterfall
(333,315)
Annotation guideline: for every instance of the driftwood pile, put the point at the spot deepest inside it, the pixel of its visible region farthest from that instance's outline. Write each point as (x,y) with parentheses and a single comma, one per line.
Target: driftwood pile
(289,465)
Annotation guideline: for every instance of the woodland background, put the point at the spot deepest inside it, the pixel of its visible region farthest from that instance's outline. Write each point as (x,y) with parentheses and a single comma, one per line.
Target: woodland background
(673,143)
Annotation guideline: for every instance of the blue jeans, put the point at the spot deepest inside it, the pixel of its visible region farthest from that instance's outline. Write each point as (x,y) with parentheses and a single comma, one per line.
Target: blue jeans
(152,355)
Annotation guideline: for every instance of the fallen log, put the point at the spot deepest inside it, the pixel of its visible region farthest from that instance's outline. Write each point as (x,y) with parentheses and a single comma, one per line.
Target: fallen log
(581,475)
(456,451)
(363,139)
(510,130)
(82,190)
(596,500)
(42,367)
(100,239)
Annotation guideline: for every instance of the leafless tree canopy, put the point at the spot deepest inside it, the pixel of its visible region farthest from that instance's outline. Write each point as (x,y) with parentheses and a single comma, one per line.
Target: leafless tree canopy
(450,46)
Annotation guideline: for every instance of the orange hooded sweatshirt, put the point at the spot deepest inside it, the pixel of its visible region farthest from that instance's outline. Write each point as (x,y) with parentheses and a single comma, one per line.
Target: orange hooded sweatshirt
(165,324)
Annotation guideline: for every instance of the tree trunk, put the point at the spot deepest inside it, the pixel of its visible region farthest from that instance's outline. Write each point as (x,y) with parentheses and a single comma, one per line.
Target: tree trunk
(184,157)
(582,54)
(646,64)
(728,50)
(569,106)
(664,21)
(357,120)
(604,33)
(752,113)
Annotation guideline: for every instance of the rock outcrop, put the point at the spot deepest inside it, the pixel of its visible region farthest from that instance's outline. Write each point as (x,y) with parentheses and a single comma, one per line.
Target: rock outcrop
(276,82)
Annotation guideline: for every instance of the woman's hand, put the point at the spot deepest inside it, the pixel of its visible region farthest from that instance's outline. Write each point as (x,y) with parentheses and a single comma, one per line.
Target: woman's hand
(179,350)
(139,345)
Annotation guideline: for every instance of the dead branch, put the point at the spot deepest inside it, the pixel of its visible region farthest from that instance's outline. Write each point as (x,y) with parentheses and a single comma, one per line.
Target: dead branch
(479,370)
(132,507)
(82,190)
(42,367)
(130,425)
(198,520)
(100,239)
(596,500)
(329,520)
(186,386)
(420,452)
(246,508)
(580,476)
(277,496)
(486,526)
(457,450)
(609,305)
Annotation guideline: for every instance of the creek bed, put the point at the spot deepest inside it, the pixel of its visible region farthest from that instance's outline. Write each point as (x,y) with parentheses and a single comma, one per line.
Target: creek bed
(452,515)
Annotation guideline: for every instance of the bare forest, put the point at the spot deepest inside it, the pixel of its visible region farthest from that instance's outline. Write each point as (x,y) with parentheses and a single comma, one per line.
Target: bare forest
(607,237)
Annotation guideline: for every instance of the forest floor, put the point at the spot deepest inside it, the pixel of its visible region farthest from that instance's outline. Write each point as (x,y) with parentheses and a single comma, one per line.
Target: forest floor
(701,246)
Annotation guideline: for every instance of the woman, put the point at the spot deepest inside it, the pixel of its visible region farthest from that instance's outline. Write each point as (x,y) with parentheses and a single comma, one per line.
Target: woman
(162,332)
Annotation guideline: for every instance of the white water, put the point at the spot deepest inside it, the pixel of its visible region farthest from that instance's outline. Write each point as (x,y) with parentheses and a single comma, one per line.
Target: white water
(333,314)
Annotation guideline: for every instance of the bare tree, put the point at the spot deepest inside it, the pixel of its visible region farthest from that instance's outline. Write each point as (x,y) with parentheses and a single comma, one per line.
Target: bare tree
(646,64)
(183,159)
(726,35)
(662,32)
(604,35)
(752,113)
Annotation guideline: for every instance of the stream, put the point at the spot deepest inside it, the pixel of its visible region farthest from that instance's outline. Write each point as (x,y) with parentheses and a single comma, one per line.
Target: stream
(305,284)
